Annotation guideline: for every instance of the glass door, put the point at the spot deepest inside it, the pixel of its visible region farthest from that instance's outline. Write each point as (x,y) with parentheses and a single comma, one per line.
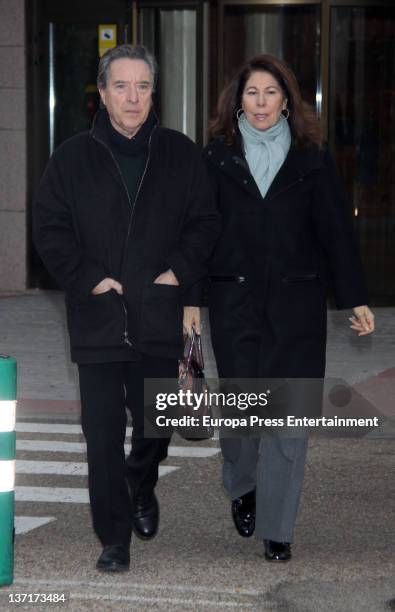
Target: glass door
(62,67)
(291,32)
(362,131)
(172,31)
(73,95)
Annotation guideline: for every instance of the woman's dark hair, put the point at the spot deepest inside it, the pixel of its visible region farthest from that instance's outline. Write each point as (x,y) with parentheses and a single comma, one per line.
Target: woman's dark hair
(304,125)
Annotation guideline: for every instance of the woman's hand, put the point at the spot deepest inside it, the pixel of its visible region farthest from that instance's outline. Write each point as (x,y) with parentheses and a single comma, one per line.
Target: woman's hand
(363,320)
(191,319)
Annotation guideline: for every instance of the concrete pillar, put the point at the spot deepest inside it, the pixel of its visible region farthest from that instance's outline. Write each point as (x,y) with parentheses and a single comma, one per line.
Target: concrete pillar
(12,146)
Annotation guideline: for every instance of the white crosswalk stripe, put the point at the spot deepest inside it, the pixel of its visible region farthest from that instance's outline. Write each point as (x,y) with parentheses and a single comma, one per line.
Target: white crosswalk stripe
(53,428)
(57,446)
(64,495)
(23,524)
(62,428)
(68,468)
(59,494)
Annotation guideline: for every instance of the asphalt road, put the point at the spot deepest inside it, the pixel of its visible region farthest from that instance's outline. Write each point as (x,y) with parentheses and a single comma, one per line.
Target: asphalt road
(343,555)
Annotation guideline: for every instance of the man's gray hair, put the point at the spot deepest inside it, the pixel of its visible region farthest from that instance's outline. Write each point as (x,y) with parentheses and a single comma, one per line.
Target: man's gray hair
(131,52)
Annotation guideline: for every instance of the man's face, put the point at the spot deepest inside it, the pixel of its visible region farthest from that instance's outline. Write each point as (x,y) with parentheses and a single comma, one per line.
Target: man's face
(128,95)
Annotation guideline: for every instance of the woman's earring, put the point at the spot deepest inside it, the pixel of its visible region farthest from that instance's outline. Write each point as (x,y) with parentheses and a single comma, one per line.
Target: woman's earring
(238,114)
(287,115)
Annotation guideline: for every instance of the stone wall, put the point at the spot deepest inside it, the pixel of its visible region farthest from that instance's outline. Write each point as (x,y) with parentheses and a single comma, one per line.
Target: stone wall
(12,146)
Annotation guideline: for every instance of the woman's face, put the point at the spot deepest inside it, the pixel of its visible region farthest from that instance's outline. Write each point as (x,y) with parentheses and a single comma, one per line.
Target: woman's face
(262,100)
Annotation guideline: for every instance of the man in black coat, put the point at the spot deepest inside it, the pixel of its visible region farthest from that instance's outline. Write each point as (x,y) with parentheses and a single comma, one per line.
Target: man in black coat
(124,220)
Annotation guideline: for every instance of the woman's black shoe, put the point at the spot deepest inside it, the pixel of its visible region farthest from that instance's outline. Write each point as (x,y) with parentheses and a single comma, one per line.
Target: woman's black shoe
(243,513)
(114,558)
(277,551)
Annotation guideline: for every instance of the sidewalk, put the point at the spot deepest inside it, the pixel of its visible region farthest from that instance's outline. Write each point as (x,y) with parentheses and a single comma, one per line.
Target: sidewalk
(344,545)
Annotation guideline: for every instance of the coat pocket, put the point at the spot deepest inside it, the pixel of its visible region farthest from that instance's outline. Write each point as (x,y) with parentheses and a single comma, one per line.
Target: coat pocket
(97,321)
(161,315)
(301,277)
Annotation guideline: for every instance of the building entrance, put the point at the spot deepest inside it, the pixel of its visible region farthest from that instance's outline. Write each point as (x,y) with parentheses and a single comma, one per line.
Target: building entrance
(62,83)
(342,52)
(65,39)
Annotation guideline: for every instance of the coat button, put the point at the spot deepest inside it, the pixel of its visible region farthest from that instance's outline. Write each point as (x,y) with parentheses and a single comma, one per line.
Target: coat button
(222,163)
(209,152)
(245,181)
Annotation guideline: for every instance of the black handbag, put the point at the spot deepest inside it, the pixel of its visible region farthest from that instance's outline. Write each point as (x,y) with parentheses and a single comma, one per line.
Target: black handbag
(191,378)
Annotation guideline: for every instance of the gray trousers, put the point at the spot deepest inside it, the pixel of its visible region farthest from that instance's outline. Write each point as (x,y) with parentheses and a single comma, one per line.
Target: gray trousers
(275,467)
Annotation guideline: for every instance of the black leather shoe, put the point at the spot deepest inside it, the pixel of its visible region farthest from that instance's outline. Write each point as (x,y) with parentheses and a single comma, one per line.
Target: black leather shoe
(277,551)
(114,558)
(243,513)
(145,518)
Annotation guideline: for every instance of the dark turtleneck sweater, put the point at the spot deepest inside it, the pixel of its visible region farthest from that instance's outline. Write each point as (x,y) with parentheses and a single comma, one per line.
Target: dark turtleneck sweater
(131,156)
(131,153)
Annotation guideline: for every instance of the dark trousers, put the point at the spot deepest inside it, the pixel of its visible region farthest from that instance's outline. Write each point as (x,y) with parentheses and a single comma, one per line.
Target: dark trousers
(106,388)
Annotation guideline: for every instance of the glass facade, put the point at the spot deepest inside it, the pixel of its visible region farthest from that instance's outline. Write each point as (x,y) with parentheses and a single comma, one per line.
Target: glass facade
(276,30)
(73,95)
(172,36)
(362,130)
(342,52)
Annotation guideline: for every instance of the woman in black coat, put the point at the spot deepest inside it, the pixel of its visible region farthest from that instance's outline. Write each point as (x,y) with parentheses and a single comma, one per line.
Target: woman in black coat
(287,237)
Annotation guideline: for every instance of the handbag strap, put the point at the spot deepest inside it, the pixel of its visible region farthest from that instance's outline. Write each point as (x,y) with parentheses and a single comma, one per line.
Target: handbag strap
(196,342)
(190,344)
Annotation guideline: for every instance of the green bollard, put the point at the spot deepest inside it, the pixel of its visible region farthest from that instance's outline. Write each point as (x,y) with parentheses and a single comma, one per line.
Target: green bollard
(7,467)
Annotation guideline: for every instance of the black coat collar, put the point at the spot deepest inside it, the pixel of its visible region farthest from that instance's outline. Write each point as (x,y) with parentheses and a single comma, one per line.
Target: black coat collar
(100,131)
(230,160)
(103,130)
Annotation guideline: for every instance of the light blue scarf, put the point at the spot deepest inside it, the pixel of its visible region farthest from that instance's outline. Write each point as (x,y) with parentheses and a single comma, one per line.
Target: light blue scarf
(265,150)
